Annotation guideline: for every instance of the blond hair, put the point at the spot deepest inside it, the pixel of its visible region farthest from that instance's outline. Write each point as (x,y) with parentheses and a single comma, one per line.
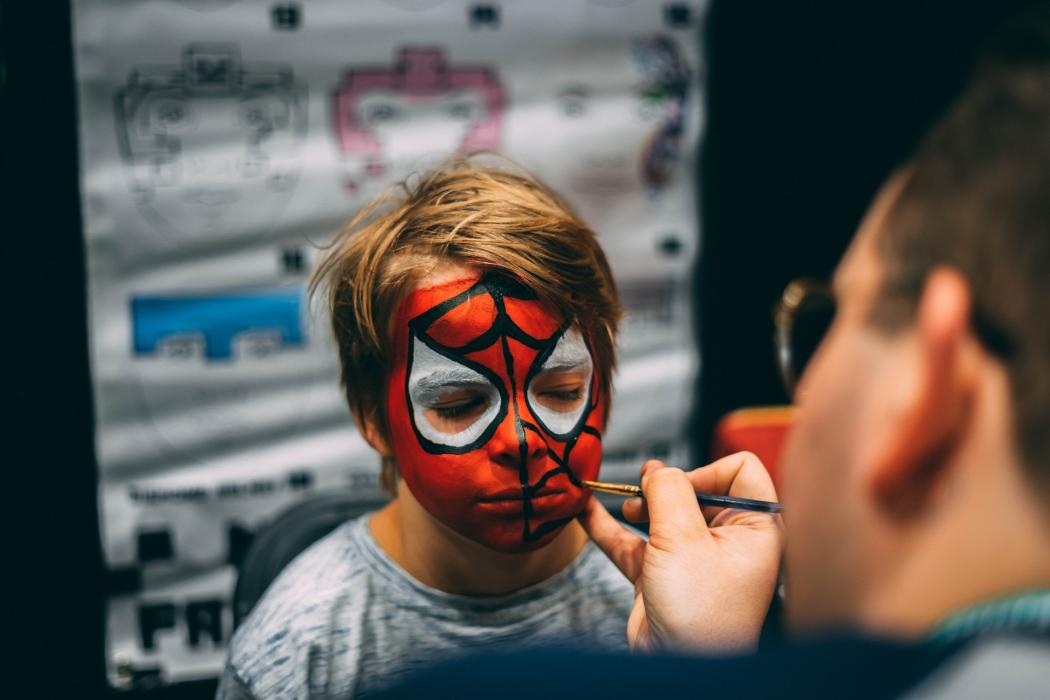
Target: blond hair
(468,213)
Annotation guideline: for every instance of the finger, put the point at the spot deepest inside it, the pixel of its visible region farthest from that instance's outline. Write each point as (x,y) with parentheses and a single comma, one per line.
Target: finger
(673,510)
(634,510)
(651,464)
(623,548)
(741,474)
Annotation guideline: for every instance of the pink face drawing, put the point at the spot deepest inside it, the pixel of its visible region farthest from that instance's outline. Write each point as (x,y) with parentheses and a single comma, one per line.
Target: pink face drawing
(386,116)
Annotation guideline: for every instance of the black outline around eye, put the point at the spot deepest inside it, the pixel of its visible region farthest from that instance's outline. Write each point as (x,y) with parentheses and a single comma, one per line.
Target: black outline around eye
(537,367)
(438,448)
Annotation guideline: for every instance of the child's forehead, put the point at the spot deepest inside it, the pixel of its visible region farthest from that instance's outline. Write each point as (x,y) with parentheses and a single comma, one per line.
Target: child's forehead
(427,294)
(463,315)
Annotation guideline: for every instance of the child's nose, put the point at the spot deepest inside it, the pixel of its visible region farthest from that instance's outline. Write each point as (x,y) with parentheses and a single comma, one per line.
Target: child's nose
(515,444)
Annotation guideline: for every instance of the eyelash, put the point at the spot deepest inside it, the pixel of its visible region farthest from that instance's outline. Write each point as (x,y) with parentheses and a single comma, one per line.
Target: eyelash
(571,395)
(460,409)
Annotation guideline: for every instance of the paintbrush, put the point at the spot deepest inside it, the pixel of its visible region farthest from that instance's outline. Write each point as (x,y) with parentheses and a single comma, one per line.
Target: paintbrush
(705,499)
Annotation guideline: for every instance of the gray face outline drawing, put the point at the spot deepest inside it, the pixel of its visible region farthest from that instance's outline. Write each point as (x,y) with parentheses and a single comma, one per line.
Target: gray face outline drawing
(211,145)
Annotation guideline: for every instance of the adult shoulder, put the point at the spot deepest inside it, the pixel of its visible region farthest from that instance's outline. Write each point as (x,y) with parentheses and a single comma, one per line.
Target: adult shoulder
(854,667)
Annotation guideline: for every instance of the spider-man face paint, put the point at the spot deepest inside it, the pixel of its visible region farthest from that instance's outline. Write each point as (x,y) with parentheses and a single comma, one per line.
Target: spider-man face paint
(494,410)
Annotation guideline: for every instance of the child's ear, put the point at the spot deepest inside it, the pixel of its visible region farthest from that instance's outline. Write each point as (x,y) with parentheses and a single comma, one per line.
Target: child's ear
(373,434)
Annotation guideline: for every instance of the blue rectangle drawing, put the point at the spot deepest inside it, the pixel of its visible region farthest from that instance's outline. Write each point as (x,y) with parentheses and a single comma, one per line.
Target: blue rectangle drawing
(219,318)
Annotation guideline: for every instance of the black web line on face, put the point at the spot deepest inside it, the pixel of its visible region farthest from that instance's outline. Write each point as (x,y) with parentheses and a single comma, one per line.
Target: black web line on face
(497,288)
(503,328)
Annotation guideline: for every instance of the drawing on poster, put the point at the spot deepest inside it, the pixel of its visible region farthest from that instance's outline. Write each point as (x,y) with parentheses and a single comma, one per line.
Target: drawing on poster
(207,5)
(430,106)
(415,5)
(271,318)
(200,358)
(665,95)
(211,144)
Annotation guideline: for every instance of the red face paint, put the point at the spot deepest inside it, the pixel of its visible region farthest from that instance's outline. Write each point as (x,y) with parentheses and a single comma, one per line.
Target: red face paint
(494,410)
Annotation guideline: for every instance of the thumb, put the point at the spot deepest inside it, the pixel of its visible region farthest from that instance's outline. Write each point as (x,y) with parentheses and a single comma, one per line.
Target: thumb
(622,547)
(674,514)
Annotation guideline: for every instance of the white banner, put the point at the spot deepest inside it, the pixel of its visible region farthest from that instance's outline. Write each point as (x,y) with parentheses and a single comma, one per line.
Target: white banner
(222,141)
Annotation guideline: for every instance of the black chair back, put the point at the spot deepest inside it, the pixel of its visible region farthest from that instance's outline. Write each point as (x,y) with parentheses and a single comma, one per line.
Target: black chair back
(281,540)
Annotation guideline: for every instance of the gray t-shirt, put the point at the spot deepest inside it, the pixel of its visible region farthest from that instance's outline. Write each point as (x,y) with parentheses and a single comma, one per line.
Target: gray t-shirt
(343,620)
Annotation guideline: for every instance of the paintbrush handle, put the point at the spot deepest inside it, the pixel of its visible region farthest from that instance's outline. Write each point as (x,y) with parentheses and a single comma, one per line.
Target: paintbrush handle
(709,499)
(704,499)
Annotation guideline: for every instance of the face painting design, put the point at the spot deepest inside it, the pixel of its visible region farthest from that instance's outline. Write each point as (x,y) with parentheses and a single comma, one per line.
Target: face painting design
(494,410)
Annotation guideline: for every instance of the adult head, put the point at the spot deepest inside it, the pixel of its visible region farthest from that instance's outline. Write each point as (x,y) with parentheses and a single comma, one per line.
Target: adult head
(917,478)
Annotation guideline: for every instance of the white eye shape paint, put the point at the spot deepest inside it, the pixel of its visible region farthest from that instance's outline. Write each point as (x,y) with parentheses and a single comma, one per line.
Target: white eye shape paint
(433,375)
(569,355)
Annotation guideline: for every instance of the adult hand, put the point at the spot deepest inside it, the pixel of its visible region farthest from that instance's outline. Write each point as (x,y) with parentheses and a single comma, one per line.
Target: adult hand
(706,577)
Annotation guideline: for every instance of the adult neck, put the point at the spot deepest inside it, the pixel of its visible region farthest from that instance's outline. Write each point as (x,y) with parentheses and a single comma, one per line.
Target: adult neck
(984,535)
(437,556)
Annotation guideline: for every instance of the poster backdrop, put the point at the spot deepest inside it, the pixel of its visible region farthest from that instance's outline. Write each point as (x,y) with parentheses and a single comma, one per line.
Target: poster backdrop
(222,141)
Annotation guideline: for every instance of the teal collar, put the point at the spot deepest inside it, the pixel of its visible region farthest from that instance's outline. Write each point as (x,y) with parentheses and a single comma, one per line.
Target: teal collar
(1028,611)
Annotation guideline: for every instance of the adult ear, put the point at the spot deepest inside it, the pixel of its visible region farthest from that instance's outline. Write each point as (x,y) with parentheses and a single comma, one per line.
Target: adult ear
(373,434)
(936,409)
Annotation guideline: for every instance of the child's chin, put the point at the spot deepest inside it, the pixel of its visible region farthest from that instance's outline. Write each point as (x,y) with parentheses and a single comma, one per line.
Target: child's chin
(515,543)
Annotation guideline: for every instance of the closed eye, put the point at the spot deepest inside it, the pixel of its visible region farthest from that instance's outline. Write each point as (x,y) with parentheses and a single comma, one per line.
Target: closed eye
(455,410)
(452,404)
(560,391)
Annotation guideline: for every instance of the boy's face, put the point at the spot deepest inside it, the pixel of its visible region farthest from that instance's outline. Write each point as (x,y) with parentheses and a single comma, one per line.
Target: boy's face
(494,411)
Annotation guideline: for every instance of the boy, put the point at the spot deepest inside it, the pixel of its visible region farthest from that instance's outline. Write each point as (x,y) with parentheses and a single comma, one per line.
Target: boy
(475,317)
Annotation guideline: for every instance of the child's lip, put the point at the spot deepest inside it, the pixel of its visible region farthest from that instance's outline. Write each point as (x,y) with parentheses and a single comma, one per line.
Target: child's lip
(541,503)
(518,494)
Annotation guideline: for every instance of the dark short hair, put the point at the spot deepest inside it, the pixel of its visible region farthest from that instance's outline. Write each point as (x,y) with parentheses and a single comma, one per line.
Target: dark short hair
(976,198)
